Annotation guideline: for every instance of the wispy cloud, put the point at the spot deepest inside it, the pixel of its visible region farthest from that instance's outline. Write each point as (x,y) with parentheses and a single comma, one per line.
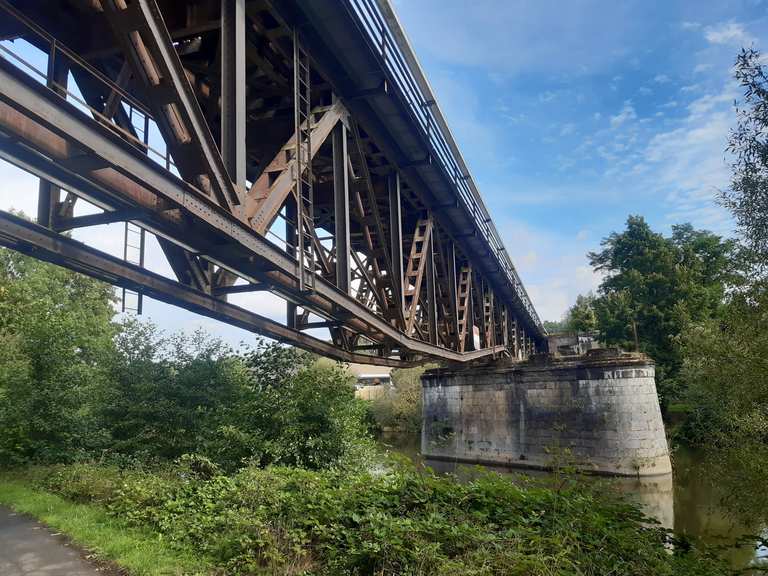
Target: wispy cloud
(729,33)
(547,96)
(626,114)
(689,163)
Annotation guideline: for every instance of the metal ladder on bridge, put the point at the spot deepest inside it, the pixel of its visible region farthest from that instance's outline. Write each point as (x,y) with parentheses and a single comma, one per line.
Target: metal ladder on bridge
(133,252)
(414,273)
(302,176)
(464,303)
(489,331)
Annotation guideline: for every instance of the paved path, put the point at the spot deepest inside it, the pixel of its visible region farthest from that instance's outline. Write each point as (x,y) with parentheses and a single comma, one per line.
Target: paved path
(28,548)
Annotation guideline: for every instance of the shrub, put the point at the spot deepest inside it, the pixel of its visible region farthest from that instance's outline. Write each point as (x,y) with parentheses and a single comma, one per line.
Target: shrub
(280,520)
(400,408)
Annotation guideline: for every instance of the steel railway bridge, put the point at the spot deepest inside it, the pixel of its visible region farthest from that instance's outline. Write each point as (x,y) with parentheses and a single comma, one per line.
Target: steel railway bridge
(288,146)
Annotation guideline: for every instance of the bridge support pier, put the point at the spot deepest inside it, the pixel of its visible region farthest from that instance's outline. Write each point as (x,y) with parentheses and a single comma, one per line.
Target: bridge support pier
(598,413)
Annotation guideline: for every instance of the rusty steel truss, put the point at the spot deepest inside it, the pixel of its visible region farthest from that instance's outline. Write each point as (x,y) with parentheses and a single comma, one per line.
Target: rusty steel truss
(270,145)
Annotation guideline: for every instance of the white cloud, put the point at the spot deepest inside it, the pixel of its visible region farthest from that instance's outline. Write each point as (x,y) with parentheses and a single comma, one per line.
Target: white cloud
(699,68)
(728,33)
(689,164)
(567,129)
(547,96)
(644,91)
(661,79)
(626,114)
(685,25)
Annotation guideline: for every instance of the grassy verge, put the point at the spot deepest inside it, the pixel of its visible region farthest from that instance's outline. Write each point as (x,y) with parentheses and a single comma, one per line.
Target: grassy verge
(141,552)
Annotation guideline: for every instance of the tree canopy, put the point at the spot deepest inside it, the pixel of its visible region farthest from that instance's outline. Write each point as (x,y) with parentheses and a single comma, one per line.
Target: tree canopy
(75,383)
(747,197)
(653,287)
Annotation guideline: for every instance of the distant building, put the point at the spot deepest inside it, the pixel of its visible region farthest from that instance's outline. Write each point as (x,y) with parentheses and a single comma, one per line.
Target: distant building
(571,344)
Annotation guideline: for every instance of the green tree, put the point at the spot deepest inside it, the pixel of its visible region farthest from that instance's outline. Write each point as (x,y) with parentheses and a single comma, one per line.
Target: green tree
(167,396)
(655,286)
(555,326)
(747,197)
(581,316)
(304,414)
(55,328)
(726,360)
(400,408)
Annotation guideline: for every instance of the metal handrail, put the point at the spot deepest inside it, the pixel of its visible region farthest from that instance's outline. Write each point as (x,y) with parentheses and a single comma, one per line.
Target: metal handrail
(377,18)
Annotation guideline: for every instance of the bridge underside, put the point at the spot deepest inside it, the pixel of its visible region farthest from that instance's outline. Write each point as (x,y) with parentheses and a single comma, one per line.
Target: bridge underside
(289,147)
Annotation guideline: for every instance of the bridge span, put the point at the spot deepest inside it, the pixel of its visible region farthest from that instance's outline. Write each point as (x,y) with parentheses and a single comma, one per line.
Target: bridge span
(270,145)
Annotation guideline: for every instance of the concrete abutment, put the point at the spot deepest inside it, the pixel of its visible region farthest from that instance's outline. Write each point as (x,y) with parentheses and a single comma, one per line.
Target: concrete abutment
(599,413)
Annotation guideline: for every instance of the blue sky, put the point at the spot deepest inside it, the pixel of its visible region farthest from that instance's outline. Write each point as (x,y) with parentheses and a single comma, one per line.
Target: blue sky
(574,114)
(571,114)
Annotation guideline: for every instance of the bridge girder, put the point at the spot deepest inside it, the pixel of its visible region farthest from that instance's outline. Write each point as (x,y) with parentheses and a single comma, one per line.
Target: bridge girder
(329,176)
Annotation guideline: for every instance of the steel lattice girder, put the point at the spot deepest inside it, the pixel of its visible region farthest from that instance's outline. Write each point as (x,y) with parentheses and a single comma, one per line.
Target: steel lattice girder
(210,245)
(50,126)
(44,244)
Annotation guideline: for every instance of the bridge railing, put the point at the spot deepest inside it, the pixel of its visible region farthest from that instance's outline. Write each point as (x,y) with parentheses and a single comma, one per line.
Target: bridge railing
(37,53)
(378,20)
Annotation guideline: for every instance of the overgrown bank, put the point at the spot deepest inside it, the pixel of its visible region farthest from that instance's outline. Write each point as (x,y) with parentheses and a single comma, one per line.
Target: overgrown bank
(280,520)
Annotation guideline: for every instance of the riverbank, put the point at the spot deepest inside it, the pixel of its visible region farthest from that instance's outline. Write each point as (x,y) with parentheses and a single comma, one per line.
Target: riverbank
(405,521)
(712,498)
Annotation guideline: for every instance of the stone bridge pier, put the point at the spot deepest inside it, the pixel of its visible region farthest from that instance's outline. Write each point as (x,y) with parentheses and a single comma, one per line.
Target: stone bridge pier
(598,412)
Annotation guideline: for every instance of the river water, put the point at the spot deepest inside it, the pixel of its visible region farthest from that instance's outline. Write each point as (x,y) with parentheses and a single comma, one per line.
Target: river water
(693,501)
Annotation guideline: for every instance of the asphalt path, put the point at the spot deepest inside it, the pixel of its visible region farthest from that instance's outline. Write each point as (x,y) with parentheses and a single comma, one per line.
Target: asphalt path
(28,548)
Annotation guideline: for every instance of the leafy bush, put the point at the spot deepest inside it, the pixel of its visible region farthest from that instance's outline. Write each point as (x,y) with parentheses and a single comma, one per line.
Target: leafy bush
(290,521)
(76,386)
(55,331)
(400,408)
(269,404)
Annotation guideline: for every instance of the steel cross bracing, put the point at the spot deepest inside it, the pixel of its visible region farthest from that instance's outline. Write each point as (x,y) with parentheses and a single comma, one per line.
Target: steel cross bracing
(242,135)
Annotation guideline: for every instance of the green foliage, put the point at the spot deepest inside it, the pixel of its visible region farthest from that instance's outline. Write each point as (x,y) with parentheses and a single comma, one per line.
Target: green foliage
(656,286)
(555,327)
(292,521)
(75,385)
(105,537)
(400,408)
(726,373)
(307,416)
(167,396)
(271,404)
(55,327)
(581,316)
(726,360)
(747,197)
